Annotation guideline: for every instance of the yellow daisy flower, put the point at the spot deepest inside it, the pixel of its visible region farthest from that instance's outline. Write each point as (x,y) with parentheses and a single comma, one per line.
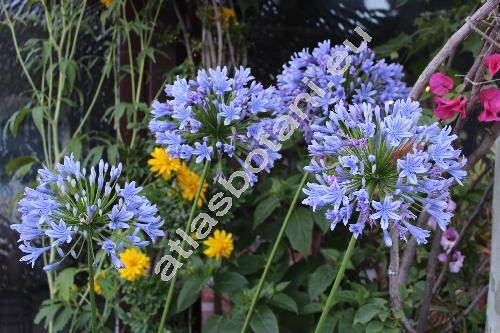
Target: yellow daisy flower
(228,14)
(136,264)
(107,3)
(189,182)
(162,164)
(97,287)
(220,245)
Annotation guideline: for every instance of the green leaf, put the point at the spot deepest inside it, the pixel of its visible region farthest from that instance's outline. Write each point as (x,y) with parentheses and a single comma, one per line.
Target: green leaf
(213,324)
(16,119)
(48,312)
(64,282)
(22,171)
(366,313)
(229,282)
(299,230)
(330,323)
(311,308)
(190,292)
(264,321)
(332,254)
(13,165)
(249,264)
(37,114)
(264,209)
(285,302)
(75,146)
(320,280)
(374,327)
(321,221)
(62,319)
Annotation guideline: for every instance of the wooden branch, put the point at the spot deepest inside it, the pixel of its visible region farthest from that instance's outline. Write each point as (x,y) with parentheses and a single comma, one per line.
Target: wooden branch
(220,40)
(458,37)
(425,305)
(454,323)
(185,34)
(484,147)
(409,253)
(461,236)
(397,303)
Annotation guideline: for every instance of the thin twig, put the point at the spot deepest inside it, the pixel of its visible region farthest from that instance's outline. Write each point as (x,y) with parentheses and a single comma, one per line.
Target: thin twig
(454,323)
(461,236)
(185,34)
(457,38)
(430,272)
(220,40)
(397,303)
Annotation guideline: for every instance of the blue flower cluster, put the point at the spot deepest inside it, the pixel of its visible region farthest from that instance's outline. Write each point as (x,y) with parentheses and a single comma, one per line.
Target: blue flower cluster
(215,115)
(378,165)
(364,80)
(70,203)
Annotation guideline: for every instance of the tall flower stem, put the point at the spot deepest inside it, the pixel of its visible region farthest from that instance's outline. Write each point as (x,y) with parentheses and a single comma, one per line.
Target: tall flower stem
(187,229)
(273,253)
(336,284)
(90,262)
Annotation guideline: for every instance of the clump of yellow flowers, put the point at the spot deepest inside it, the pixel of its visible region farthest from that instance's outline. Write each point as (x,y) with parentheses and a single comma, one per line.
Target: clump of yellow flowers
(220,245)
(136,263)
(165,166)
(107,3)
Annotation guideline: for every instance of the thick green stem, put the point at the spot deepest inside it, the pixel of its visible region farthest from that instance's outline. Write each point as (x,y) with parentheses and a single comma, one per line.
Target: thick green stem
(270,258)
(90,262)
(336,284)
(187,229)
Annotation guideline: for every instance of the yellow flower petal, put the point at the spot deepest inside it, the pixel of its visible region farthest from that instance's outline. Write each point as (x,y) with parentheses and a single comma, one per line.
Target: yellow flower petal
(162,164)
(220,245)
(136,264)
(189,182)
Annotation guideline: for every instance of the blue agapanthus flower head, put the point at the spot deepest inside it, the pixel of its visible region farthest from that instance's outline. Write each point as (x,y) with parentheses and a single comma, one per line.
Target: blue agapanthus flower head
(69,203)
(215,115)
(378,166)
(365,79)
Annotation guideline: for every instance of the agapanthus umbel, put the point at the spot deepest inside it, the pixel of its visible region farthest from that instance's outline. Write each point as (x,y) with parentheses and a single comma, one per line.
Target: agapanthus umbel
(379,167)
(215,115)
(365,80)
(70,202)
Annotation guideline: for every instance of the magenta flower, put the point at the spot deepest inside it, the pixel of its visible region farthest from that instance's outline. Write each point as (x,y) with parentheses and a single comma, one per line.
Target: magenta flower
(490,98)
(493,63)
(448,239)
(456,261)
(447,108)
(440,84)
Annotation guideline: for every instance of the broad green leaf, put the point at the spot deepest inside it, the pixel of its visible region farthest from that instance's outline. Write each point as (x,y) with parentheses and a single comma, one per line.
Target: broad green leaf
(320,280)
(62,319)
(264,321)
(229,282)
(213,324)
(37,114)
(46,312)
(321,221)
(189,293)
(264,209)
(285,302)
(332,254)
(366,313)
(299,230)
(311,308)
(17,163)
(75,146)
(64,282)
(374,327)
(249,264)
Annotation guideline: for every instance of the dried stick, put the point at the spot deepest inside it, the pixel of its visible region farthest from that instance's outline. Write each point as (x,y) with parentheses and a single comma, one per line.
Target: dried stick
(461,236)
(409,253)
(220,40)
(450,45)
(185,34)
(431,272)
(397,303)
(454,323)
(484,147)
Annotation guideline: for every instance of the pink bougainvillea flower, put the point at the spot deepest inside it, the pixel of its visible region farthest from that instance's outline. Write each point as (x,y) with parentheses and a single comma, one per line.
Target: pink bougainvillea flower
(440,84)
(493,63)
(447,108)
(490,98)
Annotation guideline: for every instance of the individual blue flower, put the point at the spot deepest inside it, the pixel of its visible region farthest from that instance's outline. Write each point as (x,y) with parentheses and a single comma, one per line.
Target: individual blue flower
(386,166)
(366,80)
(70,204)
(216,115)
